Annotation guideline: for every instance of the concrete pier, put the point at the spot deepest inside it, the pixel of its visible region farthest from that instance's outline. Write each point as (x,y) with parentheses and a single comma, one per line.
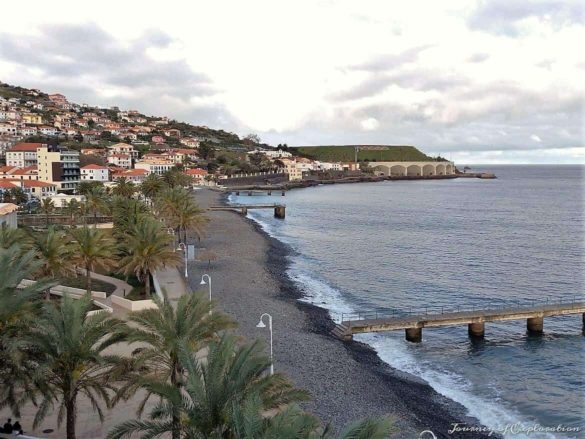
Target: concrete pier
(414,335)
(476,329)
(535,325)
(413,323)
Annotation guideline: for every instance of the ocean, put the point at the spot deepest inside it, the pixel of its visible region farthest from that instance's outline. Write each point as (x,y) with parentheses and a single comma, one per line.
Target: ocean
(461,242)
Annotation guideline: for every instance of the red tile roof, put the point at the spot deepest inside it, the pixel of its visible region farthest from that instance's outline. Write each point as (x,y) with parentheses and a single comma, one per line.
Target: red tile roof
(25,147)
(196,171)
(94,166)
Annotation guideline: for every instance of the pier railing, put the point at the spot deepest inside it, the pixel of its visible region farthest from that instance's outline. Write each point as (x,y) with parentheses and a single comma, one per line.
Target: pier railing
(493,305)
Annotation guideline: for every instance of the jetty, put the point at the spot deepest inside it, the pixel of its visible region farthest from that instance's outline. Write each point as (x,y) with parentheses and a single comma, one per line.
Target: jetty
(474,317)
(279,209)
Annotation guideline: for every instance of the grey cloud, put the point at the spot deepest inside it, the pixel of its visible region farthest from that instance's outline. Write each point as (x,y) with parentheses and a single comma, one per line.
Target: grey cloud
(501,16)
(478,57)
(83,60)
(72,50)
(390,61)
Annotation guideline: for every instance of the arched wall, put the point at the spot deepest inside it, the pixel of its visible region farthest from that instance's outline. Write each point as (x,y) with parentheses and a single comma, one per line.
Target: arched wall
(440,169)
(398,170)
(413,171)
(382,170)
(428,169)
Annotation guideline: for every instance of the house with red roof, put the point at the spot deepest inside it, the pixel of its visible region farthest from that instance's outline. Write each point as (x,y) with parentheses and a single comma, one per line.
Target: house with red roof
(23,154)
(197,174)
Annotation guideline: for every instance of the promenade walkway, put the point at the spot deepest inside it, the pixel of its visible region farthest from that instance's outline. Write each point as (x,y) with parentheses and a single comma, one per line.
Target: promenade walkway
(171,281)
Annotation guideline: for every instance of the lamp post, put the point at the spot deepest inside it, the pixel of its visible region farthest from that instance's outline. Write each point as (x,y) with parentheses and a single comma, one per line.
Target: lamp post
(205,283)
(261,324)
(183,247)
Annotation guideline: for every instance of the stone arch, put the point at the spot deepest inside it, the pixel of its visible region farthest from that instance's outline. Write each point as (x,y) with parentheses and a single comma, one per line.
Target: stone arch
(398,170)
(382,170)
(440,169)
(413,171)
(428,169)
(448,169)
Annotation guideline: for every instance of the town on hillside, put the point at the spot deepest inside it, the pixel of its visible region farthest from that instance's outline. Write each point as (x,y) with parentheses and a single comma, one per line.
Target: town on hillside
(49,145)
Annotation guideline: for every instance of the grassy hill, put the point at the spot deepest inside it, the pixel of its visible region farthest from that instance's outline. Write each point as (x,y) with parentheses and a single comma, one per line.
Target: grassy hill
(371,153)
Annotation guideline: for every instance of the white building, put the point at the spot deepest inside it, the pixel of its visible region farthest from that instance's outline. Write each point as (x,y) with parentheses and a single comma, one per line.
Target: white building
(155,166)
(95,173)
(120,160)
(8,214)
(23,154)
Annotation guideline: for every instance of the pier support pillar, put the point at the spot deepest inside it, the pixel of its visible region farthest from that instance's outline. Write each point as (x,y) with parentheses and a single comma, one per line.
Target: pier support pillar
(280,212)
(238,193)
(249,193)
(414,335)
(283,193)
(269,192)
(476,330)
(244,210)
(535,325)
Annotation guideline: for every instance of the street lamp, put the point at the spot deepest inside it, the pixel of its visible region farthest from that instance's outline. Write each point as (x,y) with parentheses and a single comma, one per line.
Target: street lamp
(183,247)
(261,324)
(205,283)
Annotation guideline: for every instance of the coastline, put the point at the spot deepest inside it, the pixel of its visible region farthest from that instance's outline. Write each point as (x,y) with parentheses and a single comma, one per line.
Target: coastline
(348,381)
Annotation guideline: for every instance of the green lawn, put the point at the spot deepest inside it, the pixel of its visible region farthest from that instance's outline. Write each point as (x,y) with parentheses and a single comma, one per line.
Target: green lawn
(372,153)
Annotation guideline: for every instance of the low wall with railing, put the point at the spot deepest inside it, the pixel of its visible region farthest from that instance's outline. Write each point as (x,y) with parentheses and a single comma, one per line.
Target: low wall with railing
(62,289)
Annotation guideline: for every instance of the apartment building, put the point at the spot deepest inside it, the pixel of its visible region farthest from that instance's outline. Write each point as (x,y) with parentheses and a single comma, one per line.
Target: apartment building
(59,166)
(22,155)
(95,173)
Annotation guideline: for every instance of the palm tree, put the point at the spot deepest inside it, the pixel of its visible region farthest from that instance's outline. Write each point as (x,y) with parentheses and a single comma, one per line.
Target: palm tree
(10,236)
(72,209)
(203,407)
(92,248)
(161,334)
(124,187)
(54,252)
(148,248)
(152,185)
(71,346)
(47,207)
(18,309)
(96,201)
(179,210)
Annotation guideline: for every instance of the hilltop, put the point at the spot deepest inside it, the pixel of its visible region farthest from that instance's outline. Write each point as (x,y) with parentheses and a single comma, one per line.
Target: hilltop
(369,153)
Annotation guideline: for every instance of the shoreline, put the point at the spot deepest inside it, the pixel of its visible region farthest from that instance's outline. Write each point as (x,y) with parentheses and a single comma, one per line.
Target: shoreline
(369,386)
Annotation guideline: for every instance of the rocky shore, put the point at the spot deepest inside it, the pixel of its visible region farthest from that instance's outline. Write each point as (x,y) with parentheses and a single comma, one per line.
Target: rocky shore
(347,381)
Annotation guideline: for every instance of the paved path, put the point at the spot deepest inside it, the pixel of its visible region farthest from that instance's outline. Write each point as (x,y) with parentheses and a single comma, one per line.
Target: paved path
(172,283)
(121,286)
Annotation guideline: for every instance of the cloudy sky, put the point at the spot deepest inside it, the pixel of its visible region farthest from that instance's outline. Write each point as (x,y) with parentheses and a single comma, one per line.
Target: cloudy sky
(479,81)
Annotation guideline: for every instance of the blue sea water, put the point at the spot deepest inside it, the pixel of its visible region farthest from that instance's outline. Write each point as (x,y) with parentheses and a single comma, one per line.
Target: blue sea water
(397,245)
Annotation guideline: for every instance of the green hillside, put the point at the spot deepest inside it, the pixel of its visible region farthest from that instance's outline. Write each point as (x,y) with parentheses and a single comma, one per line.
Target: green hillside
(371,153)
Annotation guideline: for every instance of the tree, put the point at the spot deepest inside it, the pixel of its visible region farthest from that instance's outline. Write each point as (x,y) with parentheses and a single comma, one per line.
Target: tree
(15,195)
(87,186)
(230,376)
(152,185)
(206,151)
(96,201)
(124,188)
(126,213)
(54,254)
(18,309)
(252,139)
(179,211)
(10,236)
(148,248)
(72,361)
(161,334)
(71,209)
(92,248)
(47,207)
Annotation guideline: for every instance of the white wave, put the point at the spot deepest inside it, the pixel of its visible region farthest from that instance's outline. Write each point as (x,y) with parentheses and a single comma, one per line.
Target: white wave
(493,414)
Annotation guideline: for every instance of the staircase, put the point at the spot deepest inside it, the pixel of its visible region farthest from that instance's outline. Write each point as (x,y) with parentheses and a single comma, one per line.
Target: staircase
(342,332)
